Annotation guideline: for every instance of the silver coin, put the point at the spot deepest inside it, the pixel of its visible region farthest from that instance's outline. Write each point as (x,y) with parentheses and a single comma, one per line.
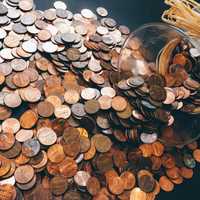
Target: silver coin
(108,91)
(195,52)
(18,64)
(3,34)
(102,11)
(61,13)
(6,54)
(4,20)
(81,178)
(148,138)
(60,5)
(19,28)
(102,30)
(107,39)
(9,181)
(28,19)
(68,37)
(32,29)
(49,47)
(13,13)
(5,69)
(3,9)
(88,93)
(86,13)
(30,46)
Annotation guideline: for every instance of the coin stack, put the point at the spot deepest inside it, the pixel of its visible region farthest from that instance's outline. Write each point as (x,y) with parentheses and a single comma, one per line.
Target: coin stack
(69,128)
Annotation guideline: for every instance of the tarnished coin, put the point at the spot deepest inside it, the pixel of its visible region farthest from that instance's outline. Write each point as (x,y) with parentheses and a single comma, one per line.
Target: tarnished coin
(102,143)
(28,185)
(93,186)
(58,185)
(31,147)
(45,109)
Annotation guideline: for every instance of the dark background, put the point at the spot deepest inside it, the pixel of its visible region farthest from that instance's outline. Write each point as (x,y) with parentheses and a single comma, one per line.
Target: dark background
(134,13)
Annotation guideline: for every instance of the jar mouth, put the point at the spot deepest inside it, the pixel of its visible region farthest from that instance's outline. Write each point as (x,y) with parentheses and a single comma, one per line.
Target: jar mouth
(154,24)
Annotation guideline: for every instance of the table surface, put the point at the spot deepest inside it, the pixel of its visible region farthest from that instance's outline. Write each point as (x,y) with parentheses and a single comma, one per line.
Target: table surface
(134,13)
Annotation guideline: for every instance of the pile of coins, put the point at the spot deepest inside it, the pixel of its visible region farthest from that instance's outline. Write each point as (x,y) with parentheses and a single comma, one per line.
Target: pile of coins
(70,130)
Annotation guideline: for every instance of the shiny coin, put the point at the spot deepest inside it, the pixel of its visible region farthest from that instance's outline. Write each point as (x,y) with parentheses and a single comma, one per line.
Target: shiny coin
(49,47)
(11,125)
(30,46)
(12,100)
(148,138)
(60,5)
(46,136)
(87,13)
(102,11)
(81,178)
(62,111)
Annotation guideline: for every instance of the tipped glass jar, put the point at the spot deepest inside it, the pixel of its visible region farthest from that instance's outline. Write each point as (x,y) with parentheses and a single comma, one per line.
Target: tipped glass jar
(159,72)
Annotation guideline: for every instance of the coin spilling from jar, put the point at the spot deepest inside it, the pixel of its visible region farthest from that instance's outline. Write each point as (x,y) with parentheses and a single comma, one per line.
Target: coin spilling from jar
(69,128)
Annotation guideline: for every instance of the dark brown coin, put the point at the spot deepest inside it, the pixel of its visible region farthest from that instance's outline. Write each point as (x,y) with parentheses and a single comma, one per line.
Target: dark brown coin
(146,183)
(31,147)
(102,143)
(58,185)
(24,174)
(92,106)
(45,109)
(157,93)
(72,195)
(5,112)
(84,144)
(93,186)
(73,54)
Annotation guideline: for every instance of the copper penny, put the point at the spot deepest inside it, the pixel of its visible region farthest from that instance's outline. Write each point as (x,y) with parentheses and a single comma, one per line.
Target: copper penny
(24,174)
(166,184)
(128,179)
(58,185)
(45,109)
(23,135)
(196,155)
(102,143)
(71,96)
(116,185)
(28,119)
(21,79)
(7,192)
(93,186)
(68,167)
(12,100)
(119,103)
(138,194)
(55,153)
(7,140)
